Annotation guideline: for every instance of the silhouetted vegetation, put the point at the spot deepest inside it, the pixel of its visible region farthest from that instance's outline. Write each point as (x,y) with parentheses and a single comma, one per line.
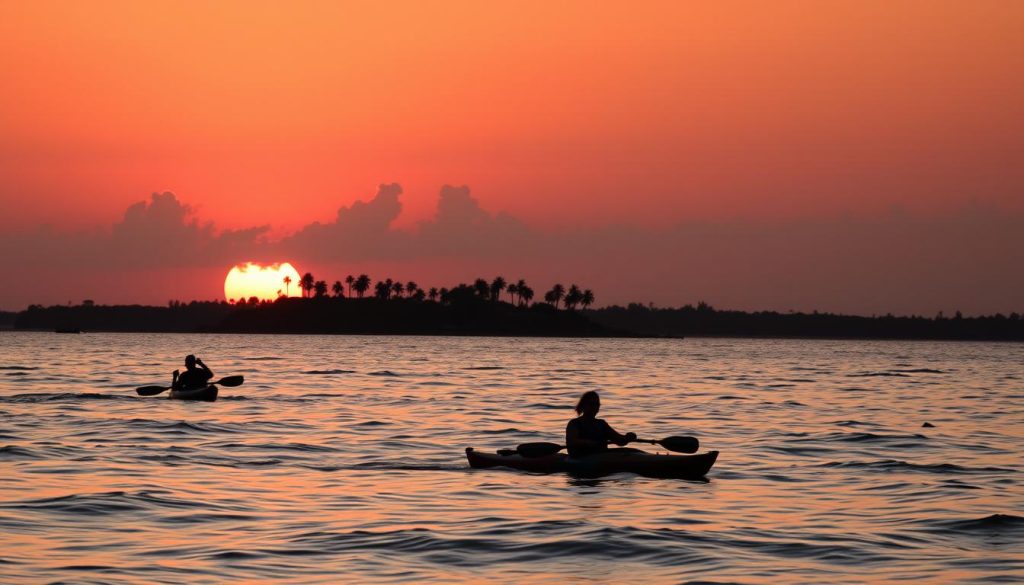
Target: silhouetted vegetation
(704,320)
(7,319)
(481,308)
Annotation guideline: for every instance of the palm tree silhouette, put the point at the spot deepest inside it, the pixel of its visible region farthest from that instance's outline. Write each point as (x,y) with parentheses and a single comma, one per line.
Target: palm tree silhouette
(525,295)
(572,298)
(382,290)
(362,285)
(497,285)
(410,288)
(482,288)
(520,285)
(432,295)
(307,283)
(587,299)
(399,288)
(320,288)
(555,294)
(287,281)
(338,288)
(512,288)
(349,280)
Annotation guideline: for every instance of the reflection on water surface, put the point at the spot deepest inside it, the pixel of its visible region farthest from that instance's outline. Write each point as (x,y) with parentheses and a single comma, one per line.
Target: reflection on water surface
(343,457)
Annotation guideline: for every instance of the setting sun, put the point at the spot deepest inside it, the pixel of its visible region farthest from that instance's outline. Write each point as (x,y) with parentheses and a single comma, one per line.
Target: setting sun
(248,280)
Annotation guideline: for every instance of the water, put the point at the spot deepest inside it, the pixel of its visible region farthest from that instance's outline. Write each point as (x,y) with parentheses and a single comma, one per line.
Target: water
(341,459)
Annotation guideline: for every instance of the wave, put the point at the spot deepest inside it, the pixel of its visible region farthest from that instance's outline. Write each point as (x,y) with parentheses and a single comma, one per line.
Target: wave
(19,368)
(262,358)
(995,523)
(485,368)
(384,373)
(30,398)
(326,372)
(102,504)
(894,464)
(10,452)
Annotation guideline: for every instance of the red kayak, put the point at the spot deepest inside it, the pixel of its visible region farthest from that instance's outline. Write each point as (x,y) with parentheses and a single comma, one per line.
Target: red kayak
(599,464)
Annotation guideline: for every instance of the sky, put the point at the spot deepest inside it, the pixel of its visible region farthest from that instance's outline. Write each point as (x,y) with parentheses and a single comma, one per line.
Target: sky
(863,157)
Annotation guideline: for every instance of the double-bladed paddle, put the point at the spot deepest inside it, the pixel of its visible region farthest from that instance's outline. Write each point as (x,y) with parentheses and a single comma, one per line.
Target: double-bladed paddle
(229,381)
(677,444)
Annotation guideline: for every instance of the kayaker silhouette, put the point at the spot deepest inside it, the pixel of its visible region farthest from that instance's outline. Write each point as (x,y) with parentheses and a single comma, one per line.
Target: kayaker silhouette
(196,375)
(586,434)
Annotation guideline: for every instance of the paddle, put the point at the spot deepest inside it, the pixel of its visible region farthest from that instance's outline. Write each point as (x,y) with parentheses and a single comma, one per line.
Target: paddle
(229,381)
(677,444)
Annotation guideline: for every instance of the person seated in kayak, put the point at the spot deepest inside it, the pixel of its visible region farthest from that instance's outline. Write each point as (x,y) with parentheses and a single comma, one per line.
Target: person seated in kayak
(586,434)
(196,375)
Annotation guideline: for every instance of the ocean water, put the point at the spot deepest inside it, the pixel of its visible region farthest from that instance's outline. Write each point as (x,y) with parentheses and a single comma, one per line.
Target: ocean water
(341,460)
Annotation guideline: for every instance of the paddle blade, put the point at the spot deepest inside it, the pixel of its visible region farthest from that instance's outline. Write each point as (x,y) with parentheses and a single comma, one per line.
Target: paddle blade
(230,381)
(151,390)
(532,450)
(680,444)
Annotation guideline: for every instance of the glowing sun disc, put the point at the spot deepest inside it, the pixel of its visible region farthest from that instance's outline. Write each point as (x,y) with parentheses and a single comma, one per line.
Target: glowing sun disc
(265,282)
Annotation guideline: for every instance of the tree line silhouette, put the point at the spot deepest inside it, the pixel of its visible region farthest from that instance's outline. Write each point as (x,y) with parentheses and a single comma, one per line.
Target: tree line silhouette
(482,308)
(520,294)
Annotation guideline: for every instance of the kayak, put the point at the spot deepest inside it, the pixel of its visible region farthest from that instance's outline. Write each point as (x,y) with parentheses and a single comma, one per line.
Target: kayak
(207,393)
(612,461)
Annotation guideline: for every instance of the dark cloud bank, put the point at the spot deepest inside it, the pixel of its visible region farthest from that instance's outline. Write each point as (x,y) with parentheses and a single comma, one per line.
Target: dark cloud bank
(970,261)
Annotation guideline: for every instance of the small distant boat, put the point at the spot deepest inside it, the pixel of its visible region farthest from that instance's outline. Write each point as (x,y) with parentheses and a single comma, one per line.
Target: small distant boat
(67,330)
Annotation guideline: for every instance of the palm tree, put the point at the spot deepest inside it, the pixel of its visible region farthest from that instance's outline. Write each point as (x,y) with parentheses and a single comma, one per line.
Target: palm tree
(445,295)
(587,299)
(287,281)
(432,295)
(349,280)
(418,295)
(520,285)
(382,290)
(482,288)
(338,288)
(320,288)
(497,285)
(512,293)
(399,288)
(572,298)
(555,294)
(307,283)
(410,287)
(525,295)
(362,285)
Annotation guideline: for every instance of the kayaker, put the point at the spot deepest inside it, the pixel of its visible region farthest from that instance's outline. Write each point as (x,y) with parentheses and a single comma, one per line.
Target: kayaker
(196,375)
(586,434)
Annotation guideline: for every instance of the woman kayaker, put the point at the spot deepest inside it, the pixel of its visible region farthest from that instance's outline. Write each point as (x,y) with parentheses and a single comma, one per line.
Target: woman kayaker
(586,434)
(196,375)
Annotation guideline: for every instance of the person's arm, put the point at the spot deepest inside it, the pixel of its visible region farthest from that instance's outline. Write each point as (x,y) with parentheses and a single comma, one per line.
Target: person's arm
(209,372)
(174,380)
(618,438)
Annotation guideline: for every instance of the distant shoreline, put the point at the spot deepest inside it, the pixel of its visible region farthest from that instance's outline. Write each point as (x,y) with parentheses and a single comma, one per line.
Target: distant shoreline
(485,318)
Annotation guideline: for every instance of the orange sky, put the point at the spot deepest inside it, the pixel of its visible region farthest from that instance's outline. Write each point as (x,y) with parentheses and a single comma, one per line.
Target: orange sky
(270,112)
(565,115)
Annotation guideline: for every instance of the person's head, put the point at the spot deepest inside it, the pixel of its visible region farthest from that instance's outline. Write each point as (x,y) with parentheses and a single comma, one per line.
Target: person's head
(190,361)
(589,404)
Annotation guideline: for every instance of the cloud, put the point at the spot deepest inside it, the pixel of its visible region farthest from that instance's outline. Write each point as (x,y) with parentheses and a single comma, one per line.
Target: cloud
(901,263)
(158,233)
(361,231)
(462,228)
